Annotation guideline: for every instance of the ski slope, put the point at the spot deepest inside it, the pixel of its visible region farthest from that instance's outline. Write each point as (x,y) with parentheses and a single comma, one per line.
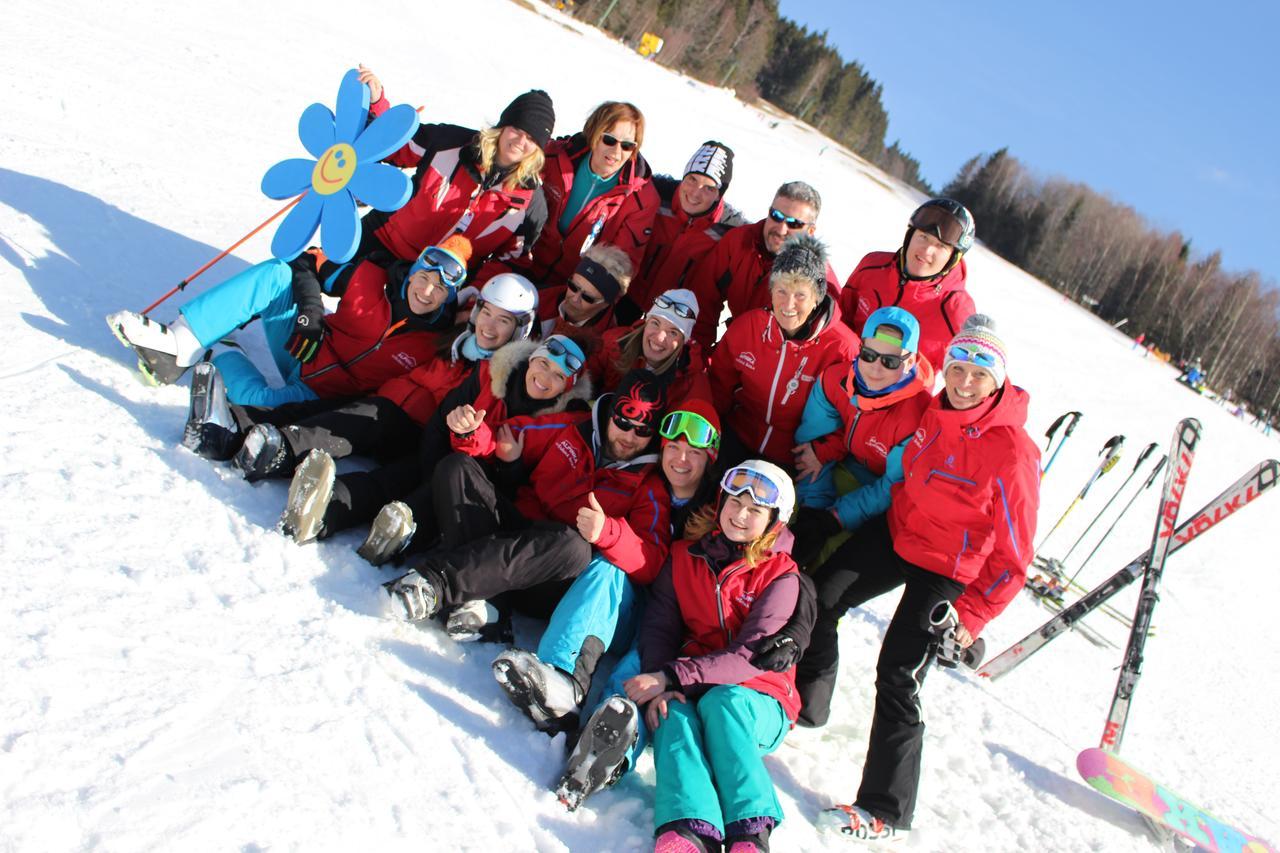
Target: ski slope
(178,676)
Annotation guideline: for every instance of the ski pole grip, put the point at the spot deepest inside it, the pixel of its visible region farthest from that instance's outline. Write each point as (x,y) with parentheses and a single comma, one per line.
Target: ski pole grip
(1075,419)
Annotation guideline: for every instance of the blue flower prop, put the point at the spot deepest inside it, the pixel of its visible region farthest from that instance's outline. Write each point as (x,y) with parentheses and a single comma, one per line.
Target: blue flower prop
(345,168)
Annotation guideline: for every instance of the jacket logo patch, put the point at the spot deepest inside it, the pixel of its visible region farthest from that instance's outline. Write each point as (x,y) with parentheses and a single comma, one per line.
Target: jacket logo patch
(878,446)
(746,360)
(919,439)
(405,360)
(864,306)
(951,461)
(570,452)
(746,599)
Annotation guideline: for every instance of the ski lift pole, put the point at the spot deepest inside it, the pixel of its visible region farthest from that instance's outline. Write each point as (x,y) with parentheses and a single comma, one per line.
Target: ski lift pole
(1151,478)
(1070,428)
(1142,457)
(1110,453)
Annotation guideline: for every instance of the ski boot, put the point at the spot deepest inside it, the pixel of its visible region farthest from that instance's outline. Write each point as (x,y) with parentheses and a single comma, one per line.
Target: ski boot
(309,494)
(265,453)
(211,430)
(856,822)
(600,756)
(159,348)
(420,594)
(546,695)
(479,621)
(389,534)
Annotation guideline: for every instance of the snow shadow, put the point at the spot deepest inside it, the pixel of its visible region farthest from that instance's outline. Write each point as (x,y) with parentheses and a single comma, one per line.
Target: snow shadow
(1072,792)
(160,422)
(130,261)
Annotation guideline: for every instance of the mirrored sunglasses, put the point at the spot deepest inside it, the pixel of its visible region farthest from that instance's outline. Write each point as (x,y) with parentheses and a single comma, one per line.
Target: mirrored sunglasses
(978,357)
(791,222)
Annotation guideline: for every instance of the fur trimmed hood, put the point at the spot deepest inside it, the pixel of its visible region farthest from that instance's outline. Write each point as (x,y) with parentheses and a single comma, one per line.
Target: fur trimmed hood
(513,356)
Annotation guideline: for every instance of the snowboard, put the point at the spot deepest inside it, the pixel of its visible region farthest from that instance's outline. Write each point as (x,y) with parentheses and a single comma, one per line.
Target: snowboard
(1112,776)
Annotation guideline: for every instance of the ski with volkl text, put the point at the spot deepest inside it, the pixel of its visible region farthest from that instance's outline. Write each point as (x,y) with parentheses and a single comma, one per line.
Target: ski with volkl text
(1259,480)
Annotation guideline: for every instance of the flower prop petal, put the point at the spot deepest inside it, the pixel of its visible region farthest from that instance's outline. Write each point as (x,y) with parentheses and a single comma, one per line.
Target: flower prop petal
(388,133)
(353,107)
(339,227)
(287,178)
(315,129)
(295,231)
(381,186)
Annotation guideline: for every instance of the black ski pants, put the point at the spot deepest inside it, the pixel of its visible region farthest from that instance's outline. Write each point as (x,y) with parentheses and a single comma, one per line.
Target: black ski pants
(863,568)
(487,547)
(365,426)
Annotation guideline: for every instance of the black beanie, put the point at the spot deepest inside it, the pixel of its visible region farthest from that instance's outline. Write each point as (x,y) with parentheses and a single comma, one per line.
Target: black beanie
(715,160)
(531,112)
(640,397)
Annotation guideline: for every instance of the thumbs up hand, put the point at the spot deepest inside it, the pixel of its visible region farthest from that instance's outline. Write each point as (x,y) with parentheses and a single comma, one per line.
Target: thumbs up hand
(591,519)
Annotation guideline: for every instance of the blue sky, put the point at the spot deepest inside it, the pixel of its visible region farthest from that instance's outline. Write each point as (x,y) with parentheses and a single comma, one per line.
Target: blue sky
(1172,108)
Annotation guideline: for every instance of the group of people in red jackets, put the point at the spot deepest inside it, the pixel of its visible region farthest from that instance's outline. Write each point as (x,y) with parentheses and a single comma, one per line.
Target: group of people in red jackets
(598,395)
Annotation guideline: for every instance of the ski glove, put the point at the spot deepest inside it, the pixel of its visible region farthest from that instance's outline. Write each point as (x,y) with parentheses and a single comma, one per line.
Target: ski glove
(308,326)
(776,654)
(812,528)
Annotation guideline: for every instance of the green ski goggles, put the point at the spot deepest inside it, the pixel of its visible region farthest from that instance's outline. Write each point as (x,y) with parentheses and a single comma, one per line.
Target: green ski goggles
(693,428)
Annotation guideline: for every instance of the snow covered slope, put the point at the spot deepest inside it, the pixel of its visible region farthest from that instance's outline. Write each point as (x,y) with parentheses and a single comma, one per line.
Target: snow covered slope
(177,675)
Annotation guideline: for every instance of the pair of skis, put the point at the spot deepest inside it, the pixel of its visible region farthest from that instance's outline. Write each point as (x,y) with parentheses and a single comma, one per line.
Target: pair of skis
(1163,810)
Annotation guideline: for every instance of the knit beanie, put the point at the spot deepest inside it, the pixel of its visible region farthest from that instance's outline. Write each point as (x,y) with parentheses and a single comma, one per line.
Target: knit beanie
(802,256)
(533,113)
(979,341)
(640,397)
(715,160)
(673,299)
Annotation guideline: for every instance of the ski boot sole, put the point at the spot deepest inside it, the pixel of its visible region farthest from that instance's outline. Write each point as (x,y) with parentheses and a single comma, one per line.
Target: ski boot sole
(390,533)
(309,494)
(601,752)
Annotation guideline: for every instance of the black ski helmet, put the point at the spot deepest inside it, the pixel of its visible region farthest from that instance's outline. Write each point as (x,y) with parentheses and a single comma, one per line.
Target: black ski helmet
(948,220)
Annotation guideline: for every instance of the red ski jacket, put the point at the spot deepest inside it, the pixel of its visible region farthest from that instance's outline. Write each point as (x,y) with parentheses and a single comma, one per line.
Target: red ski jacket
(678,243)
(364,345)
(690,379)
(760,380)
(736,271)
(560,456)
(449,197)
(966,508)
(940,305)
(420,391)
(621,217)
(870,426)
(714,607)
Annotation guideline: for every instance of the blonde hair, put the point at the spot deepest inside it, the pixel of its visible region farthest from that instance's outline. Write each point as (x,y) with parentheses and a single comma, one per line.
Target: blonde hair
(607,115)
(615,262)
(527,173)
(707,520)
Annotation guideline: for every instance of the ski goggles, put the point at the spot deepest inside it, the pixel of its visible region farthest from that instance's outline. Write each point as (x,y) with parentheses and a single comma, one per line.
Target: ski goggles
(693,428)
(870,356)
(978,357)
(678,308)
(791,222)
(563,351)
(764,492)
(934,220)
(628,425)
(434,259)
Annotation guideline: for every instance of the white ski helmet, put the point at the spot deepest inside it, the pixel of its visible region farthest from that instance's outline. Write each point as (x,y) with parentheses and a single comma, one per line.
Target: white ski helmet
(768,484)
(514,294)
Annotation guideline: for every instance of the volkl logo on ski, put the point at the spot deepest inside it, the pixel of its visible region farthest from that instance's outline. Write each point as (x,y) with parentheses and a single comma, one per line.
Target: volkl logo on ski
(1169,512)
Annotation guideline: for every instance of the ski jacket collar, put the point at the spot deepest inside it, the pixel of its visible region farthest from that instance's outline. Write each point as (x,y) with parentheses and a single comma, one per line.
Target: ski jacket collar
(952,279)
(1005,408)
(634,172)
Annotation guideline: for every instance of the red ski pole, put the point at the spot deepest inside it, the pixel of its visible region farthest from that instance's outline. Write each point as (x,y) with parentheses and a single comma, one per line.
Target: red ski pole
(182,284)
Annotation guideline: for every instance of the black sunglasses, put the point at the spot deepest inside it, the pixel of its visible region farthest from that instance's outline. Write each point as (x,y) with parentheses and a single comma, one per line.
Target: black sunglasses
(677,308)
(641,430)
(891,362)
(627,144)
(790,221)
(582,293)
